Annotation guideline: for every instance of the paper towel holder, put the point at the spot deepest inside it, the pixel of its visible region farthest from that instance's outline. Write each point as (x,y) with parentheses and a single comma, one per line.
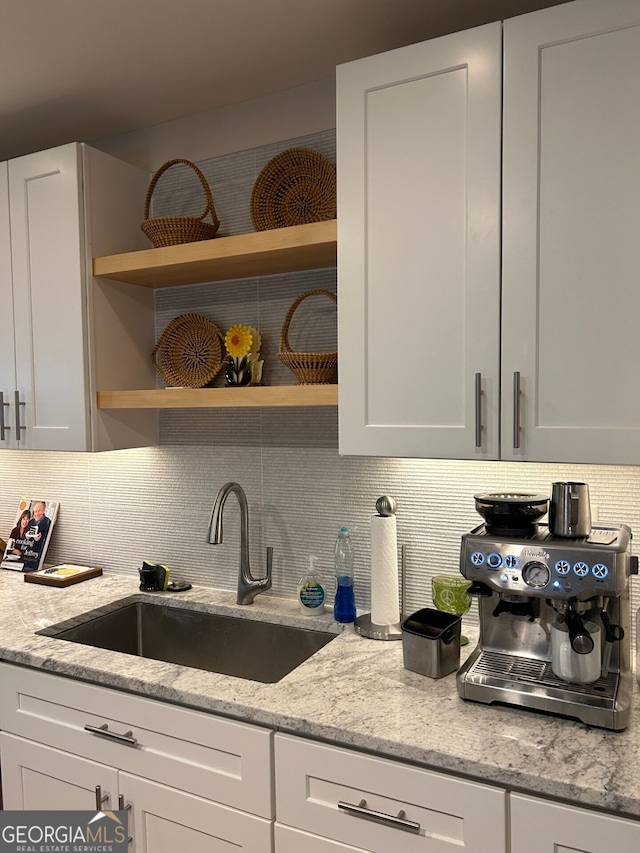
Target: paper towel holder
(363,625)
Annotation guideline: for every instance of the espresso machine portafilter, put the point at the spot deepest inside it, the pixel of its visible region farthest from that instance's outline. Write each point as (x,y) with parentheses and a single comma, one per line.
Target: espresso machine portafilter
(554,616)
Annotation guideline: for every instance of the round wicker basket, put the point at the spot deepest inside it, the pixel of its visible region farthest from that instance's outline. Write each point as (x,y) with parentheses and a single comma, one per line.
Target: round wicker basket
(189,352)
(296,187)
(173,230)
(310,368)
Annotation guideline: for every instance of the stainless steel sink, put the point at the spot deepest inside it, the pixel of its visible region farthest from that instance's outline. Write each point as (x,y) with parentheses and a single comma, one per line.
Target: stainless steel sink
(230,645)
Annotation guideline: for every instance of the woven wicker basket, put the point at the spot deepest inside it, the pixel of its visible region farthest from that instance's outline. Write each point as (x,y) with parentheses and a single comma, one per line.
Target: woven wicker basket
(189,352)
(173,230)
(296,187)
(310,368)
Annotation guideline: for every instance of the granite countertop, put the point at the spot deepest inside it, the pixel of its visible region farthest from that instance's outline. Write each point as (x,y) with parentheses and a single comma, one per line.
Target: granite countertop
(353,692)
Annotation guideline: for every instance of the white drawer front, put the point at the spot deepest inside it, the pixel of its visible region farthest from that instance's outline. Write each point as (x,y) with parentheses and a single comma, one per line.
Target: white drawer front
(219,759)
(453,815)
(288,840)
(538,826)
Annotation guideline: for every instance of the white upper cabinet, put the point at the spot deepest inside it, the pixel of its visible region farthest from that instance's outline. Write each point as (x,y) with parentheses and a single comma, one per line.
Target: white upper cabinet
(571,254)
(418,147)
(7,342)
(48,279)
(442,352)
(66,333)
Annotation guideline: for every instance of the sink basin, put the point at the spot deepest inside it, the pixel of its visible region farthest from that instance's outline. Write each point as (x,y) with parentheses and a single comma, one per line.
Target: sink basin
(230,645)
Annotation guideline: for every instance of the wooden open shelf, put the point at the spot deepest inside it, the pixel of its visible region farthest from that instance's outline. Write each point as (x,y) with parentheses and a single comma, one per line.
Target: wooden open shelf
(227,398)
(301,247)
(282,250)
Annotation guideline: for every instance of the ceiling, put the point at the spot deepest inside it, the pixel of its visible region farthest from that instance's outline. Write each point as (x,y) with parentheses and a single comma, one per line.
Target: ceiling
(90,69)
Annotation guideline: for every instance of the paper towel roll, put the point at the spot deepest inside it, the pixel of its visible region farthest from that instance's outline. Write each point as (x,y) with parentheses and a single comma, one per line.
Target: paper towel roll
(385,605)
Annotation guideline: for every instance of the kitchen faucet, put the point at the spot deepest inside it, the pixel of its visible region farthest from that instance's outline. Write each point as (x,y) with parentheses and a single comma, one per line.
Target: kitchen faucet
(248,587)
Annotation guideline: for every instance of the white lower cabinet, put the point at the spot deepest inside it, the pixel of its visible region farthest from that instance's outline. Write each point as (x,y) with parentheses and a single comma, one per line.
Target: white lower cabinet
(162,819)
(194,781)
(539,826)
(328,798)
(190,780)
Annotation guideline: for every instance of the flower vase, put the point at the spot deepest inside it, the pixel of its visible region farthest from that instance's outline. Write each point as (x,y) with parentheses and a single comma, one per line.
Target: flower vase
(237,371)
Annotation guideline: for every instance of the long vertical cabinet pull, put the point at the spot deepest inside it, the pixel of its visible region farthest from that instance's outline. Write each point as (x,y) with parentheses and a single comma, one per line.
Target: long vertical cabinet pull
(478,410)
(101,798)
(19,426)
(4,429)
(124,807)
(516,410)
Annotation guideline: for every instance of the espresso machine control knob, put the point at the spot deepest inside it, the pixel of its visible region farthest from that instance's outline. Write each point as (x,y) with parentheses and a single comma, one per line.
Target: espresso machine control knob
(536,574)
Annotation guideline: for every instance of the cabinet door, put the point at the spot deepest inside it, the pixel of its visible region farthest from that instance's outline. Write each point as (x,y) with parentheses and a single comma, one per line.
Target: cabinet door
(571,258)
(39,777)
(418,147)
(165,820)
(7,351)
(541,827)
(49,298)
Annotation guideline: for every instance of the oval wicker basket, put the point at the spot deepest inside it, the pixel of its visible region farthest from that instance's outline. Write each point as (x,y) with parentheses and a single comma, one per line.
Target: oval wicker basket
(173,230)
(310,368)
(189,352)
(296,187)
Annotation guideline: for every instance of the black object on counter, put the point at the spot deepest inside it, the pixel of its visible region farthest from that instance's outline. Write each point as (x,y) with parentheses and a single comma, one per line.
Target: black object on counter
(431,642)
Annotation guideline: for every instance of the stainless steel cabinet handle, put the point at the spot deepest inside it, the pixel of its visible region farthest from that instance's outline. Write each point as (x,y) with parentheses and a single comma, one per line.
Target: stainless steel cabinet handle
(3,427)
(100,798)
(478,410)
(103,731)
(398,821)
(124,807)
(19,426)
(516,409)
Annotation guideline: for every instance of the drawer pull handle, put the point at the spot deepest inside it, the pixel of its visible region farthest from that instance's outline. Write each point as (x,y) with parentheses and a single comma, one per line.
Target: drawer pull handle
(398,821)
(103,731)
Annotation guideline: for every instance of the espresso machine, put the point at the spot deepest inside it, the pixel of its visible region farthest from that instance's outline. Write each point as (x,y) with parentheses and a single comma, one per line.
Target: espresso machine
(554,609)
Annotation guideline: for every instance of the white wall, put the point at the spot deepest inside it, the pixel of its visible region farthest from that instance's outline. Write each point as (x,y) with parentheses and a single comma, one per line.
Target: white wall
(284,115)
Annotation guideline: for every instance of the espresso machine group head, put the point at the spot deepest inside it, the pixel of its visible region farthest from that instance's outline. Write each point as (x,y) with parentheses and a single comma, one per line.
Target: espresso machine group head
(554,615)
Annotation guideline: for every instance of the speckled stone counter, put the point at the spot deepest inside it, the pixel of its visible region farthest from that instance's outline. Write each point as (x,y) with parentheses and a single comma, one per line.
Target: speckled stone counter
(353,692)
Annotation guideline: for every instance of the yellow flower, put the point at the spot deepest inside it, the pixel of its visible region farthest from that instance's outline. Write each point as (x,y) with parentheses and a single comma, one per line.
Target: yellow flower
(238,340)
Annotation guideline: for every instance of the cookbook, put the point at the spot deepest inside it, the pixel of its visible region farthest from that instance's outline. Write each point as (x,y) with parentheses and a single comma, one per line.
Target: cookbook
(29,538)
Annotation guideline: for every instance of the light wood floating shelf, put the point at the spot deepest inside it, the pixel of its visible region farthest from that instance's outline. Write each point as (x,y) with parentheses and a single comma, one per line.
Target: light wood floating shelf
(282,250)
(223,398)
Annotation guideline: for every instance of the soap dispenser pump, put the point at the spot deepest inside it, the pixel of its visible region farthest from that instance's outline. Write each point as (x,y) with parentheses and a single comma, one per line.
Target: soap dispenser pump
(311,593)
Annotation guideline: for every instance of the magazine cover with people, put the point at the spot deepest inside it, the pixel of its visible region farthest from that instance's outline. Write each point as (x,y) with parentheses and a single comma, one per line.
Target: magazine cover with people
(29,539)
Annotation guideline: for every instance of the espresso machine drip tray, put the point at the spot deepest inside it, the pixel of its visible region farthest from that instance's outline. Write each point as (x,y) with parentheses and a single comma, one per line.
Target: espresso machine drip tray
(506,668)
(490,676)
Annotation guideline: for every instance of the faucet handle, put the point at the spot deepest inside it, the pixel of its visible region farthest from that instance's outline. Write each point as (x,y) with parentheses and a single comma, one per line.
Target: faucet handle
(269,560)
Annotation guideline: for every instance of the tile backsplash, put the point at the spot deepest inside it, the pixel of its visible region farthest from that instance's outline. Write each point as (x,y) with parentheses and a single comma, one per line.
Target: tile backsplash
(122,507)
